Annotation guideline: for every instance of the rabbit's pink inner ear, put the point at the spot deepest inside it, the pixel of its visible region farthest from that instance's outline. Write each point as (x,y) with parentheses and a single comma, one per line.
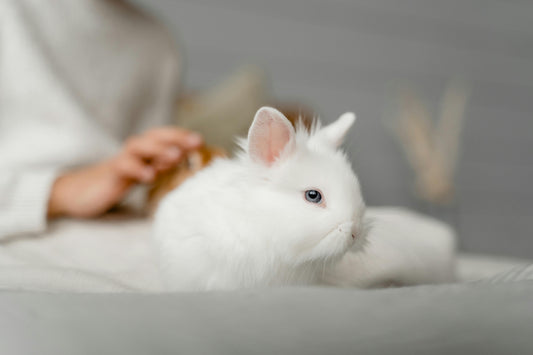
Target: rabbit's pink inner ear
(270,135)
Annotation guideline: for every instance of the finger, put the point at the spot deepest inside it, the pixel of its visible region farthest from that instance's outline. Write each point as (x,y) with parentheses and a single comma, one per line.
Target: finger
(164,165)
(150,148)
(131,167)
(177,136)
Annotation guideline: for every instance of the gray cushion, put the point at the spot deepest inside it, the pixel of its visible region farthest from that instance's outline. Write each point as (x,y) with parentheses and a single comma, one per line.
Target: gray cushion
(471,318)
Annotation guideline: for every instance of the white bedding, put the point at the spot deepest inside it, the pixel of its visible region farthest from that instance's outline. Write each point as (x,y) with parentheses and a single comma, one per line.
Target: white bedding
(111,254)
(114,254)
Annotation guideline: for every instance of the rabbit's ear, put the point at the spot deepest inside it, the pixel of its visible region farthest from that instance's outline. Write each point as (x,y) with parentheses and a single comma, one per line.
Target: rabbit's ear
(270,135)
(333,134)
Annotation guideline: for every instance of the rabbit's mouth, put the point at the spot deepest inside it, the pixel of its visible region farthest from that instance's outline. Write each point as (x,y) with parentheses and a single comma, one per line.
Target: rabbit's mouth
(335,243)
(344,228)
(341,236)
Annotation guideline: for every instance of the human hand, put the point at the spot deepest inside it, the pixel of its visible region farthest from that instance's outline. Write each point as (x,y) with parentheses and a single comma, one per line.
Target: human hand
(93,190)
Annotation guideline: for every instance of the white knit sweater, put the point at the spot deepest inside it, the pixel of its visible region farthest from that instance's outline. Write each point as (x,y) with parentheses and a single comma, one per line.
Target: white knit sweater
(76,78)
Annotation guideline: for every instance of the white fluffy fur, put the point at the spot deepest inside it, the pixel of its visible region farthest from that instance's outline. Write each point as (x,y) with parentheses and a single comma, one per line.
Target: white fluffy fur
(245,222)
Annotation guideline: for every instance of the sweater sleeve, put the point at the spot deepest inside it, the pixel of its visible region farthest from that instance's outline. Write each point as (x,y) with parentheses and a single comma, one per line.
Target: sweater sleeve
(24,201)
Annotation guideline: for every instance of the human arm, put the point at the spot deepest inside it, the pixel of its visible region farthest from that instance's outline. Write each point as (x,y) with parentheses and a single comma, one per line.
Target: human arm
(23,200)
(92,190)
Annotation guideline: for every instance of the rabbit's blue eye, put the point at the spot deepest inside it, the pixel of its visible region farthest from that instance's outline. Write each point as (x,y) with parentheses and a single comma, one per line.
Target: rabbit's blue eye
(313,196)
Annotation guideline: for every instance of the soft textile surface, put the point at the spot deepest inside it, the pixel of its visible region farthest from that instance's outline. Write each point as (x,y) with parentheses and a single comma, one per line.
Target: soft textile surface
(445,319)
(114,254)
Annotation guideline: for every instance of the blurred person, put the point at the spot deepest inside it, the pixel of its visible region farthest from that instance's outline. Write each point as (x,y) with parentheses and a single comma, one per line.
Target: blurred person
(83,84)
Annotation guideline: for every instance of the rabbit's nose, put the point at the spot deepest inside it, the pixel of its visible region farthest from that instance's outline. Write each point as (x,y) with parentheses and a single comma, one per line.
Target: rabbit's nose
(345,228)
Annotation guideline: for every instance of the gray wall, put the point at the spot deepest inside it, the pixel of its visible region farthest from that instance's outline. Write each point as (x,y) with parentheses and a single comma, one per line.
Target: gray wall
(341,55)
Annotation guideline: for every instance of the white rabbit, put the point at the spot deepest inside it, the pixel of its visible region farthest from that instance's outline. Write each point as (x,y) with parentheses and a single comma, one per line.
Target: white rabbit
(281,213)
(289,211)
